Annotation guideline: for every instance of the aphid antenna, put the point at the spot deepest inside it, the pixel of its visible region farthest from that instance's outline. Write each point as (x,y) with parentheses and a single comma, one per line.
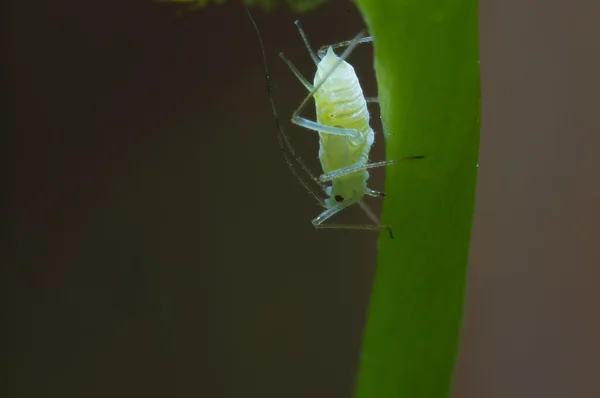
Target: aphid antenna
(323,50)
(283,139)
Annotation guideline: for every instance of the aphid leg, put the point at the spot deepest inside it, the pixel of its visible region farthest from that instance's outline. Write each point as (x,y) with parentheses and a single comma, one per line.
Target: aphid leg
(372,100)
(375,194)
(306,43)
(360,227)
(323,50)
(372,216)
(283,139)
(318,222)
(296,72)
(323,128)
(332,175)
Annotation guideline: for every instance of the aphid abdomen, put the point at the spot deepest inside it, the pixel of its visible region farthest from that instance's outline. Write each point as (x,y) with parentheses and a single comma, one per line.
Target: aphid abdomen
(340,102)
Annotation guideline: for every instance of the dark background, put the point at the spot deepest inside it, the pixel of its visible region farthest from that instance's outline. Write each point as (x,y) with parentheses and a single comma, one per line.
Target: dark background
(163,248)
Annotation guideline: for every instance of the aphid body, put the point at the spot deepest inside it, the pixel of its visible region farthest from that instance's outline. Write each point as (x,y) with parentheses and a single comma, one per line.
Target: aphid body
(345,135)
(340,102)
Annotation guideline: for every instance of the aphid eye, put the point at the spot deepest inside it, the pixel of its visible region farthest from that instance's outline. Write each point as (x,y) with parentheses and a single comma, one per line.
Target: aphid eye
(339,198)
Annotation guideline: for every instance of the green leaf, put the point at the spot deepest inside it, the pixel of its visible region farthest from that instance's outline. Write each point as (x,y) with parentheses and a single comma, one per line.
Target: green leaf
(427,70)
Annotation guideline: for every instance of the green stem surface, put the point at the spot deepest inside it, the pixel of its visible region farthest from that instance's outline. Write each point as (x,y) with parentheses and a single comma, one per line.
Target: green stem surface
(427,69)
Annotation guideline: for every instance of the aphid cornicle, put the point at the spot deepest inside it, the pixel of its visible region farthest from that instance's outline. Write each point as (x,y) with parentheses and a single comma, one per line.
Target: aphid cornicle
(345,135)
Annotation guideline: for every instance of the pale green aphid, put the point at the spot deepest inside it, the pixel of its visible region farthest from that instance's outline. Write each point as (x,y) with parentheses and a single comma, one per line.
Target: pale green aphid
(344,133)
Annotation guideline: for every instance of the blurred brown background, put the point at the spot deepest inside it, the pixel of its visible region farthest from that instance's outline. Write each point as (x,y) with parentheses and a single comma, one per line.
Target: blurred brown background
(532,321)
(163,248)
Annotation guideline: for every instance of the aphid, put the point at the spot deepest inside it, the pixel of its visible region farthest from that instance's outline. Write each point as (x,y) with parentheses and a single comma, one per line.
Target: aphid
(345,135)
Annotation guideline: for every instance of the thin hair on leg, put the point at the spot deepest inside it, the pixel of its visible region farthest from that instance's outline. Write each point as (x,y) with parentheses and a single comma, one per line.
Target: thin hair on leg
(358,227)
(319,221)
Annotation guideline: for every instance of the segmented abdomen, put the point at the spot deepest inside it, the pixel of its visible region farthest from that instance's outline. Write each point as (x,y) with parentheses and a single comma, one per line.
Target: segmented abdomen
(340,102)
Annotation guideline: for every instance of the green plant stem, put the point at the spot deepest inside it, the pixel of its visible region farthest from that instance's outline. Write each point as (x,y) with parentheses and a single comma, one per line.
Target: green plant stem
(427,69)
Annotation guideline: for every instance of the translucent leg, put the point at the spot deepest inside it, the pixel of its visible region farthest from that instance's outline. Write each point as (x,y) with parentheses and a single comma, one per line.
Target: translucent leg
(361,227)
(375,194)
(306,43)
(318,222)
(374,218)
(332,175)
(323,50)
(323,128)
(296,72)
(368,212)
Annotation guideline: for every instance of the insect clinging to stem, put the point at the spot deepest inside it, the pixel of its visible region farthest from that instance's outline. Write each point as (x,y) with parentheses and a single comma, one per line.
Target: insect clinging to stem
(345,135)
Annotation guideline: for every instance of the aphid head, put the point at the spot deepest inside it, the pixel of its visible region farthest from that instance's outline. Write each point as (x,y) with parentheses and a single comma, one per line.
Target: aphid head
(328,53)
(335,200)
(329,58)
(341,72)
(343,192)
